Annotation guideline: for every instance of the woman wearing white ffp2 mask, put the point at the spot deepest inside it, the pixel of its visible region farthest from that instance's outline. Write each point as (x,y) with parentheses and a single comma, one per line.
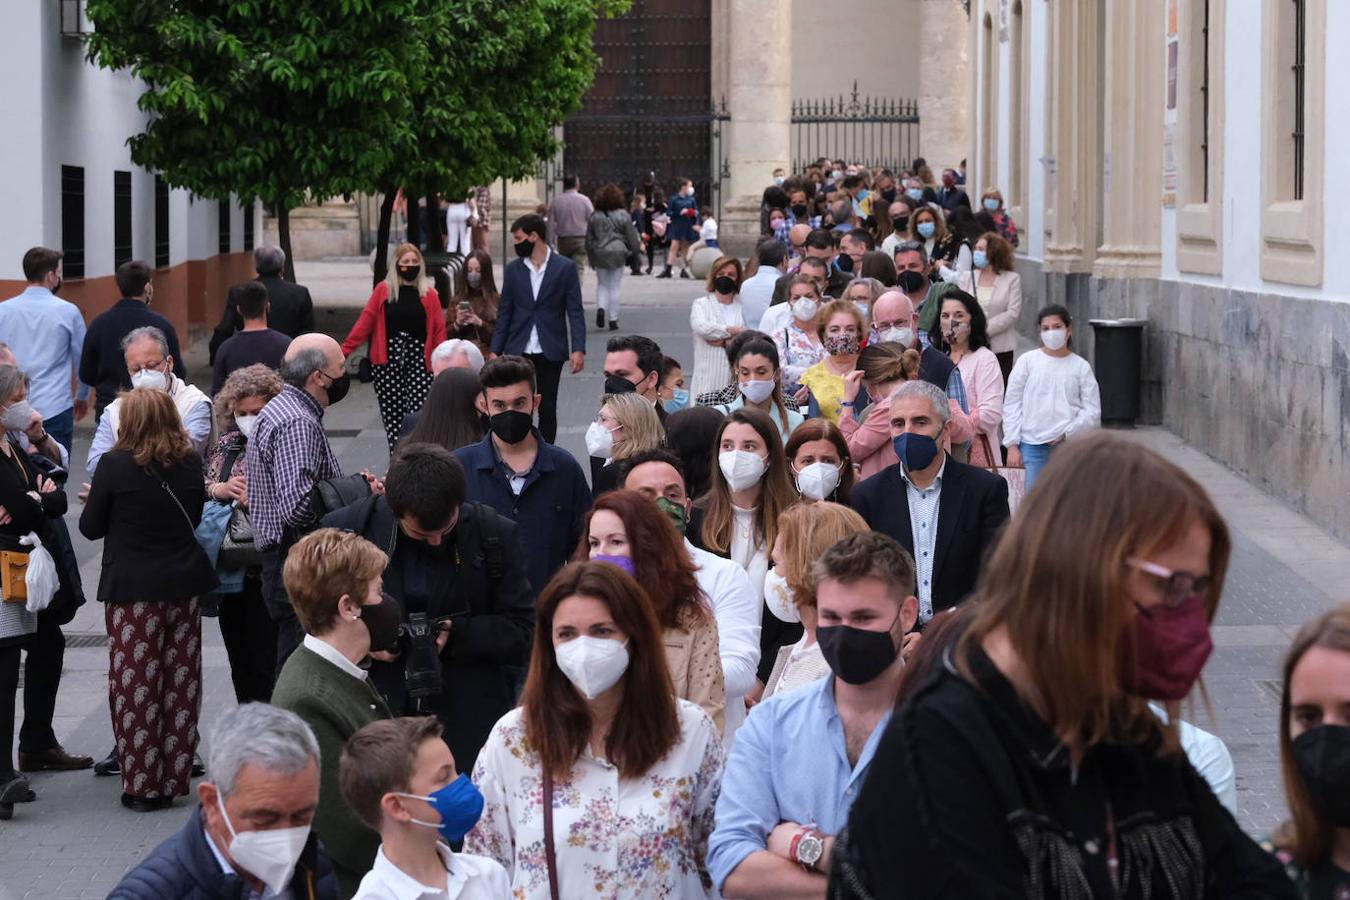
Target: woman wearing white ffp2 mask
(600,729)
(818,456)
(759,379)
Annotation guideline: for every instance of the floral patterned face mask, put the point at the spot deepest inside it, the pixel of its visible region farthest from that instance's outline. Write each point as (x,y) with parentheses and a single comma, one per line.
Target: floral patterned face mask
(841,344)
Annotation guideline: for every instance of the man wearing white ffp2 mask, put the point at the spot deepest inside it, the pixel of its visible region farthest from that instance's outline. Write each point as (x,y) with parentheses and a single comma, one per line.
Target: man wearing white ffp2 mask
(254,821)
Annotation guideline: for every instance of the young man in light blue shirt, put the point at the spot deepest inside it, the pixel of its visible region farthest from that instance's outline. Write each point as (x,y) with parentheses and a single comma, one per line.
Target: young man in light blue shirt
(802,756)
(47,335)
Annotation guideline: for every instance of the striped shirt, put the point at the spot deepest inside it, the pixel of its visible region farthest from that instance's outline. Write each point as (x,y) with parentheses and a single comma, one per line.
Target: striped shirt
(288,454)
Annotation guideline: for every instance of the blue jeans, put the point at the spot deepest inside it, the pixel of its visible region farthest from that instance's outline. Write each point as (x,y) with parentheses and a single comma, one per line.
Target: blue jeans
(61,428)
(1034,457)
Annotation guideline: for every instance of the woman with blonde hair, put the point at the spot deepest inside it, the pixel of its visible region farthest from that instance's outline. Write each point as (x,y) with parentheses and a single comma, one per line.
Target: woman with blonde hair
(1315,757)
(627,424)
(841,327)
(805,532)
(145,502)
(1031,757)
(403,322)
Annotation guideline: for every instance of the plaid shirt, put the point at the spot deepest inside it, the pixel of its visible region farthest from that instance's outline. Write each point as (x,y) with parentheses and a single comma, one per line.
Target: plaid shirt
(728,394)
(288,454)
(482,203)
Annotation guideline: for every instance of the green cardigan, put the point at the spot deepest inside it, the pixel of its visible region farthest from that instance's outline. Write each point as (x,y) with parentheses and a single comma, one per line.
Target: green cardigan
(335,705)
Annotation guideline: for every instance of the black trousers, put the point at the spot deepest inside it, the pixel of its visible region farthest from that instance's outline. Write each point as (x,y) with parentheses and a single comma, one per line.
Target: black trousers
(9,689)
(250,641)
(279,608)
(46,652)
(547,374)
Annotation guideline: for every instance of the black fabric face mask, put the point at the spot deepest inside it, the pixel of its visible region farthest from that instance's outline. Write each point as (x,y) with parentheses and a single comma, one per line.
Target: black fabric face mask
(844,262)
(911,282)
(1322,755)
(900,223)
(524,248)
(511,426)
(407,273)
(724,284)
(382,621)
(617,384)
(799,210)
(338,388)
(856,655)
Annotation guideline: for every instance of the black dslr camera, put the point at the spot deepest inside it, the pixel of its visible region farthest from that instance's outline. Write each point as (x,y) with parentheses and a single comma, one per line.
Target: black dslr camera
(422,663)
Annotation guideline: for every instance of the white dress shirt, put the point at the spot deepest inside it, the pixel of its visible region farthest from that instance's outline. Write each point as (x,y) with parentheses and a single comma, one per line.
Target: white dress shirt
(334,656)
(467,877)
(536,279)
(757,294)
(775,319)
(736,607)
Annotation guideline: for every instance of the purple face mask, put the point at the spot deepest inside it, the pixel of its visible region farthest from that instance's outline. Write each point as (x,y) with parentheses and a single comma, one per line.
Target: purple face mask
(622,562)
(1163,651)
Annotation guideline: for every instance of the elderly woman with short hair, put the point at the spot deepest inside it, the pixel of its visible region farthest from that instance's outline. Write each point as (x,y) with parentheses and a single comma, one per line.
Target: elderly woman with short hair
(249,632)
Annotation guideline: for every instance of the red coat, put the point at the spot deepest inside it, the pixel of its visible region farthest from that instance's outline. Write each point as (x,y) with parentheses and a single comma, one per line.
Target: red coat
(371,326)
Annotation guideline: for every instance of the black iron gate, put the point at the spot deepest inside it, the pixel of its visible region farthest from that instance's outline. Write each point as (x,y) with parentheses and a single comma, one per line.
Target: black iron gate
(649,116)
(869,131)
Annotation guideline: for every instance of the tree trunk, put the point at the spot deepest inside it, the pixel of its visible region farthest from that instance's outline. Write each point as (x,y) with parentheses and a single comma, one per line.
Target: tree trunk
(381,268)
(435,237)
(414,218)
(284,236)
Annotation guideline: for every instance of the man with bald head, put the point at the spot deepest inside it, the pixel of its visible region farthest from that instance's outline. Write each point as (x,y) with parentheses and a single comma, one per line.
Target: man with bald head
(287,455)
(894,320)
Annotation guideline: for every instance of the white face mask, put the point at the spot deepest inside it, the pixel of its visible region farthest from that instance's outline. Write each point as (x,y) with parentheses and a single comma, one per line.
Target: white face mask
(902,336)
(270,856)
(757,391)
(593,665)
(1055,338)
(818,480)
(246,424)
(599,441)
(741,468)
(17,416)
(778,597)
(150,378)
(804,308)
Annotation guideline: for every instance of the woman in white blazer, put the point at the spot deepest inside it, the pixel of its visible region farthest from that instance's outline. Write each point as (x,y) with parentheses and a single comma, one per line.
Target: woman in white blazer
(714,319)
(998,287)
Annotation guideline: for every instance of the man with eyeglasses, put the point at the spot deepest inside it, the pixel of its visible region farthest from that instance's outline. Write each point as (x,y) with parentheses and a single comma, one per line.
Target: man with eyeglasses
(288,454)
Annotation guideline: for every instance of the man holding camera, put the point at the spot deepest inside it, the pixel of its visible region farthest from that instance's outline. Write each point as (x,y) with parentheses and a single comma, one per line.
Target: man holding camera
(457,569)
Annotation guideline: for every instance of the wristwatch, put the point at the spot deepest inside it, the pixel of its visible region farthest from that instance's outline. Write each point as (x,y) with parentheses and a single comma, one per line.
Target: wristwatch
(807,846)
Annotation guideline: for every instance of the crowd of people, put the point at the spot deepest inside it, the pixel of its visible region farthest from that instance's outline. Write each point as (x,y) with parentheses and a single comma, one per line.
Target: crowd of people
(828,617)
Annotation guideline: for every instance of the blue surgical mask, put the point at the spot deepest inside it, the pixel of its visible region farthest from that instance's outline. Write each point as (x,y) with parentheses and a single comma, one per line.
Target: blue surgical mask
(459,803)
(925,229)
(915,193)
(916,451)
(979,259)
(679,399)
(991,204)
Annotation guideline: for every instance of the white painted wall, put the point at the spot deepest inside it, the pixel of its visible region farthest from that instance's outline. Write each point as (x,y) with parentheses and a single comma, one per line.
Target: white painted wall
(870,41)
(64,111)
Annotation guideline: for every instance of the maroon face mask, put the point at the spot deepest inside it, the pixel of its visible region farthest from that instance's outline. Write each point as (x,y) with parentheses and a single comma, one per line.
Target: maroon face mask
(1163,650)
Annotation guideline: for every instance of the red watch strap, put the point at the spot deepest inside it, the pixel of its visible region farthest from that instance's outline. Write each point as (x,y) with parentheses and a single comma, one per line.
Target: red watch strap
(792,846)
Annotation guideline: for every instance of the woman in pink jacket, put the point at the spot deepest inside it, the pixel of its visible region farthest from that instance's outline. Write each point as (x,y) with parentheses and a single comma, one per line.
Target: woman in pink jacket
(881,369)
(403,322)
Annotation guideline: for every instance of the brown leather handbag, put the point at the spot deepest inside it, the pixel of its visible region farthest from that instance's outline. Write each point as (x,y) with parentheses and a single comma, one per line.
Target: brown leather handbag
(13,573)
(550,855)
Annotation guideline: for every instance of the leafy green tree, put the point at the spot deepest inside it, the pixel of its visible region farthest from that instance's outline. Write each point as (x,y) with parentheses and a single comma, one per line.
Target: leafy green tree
(503,75)
(282,101)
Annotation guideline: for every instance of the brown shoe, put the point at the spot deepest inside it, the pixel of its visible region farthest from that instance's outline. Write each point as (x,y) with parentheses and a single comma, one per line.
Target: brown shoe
(53,759)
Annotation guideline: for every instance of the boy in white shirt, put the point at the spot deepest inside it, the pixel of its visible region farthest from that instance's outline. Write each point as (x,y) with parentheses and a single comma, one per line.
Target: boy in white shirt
(399,777)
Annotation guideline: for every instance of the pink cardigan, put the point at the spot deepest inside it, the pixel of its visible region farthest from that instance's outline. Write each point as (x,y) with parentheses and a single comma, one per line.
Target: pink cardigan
(869,443)
(984,395)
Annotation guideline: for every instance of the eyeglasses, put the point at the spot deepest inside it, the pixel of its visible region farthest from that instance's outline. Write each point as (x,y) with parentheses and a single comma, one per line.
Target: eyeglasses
(1178,587)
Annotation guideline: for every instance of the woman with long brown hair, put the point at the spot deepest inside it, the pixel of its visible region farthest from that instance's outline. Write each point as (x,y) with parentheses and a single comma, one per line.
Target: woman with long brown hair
(1315,757)
(628,530)
(630,773)
(145,502)
(1030,764)
(473,316)
(402,322)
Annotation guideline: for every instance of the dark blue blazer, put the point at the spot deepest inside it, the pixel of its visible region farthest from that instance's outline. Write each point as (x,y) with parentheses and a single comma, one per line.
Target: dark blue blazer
(972,511)
(557,309)
(102,363)
(550,510)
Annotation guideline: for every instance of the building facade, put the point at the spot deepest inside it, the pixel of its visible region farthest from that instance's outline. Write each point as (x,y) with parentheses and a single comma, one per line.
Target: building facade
(69,182)
(1167,160)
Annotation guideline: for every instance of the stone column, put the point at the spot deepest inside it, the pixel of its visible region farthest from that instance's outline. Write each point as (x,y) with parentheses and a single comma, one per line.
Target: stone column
(760,103)
(944,83)
(1132,167)
(1076,137)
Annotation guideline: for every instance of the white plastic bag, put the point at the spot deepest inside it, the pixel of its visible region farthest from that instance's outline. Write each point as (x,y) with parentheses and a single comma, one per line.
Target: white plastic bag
(41,578)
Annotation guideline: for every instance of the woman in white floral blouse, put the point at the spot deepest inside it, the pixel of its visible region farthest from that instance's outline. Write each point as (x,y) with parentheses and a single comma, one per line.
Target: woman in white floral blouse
(634,772)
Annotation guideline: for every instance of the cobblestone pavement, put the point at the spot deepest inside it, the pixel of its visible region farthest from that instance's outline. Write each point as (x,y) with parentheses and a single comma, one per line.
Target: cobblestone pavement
(77,840)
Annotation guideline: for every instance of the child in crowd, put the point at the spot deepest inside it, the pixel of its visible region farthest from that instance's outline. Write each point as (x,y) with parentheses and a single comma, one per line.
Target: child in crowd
(707,233)
(399,777)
